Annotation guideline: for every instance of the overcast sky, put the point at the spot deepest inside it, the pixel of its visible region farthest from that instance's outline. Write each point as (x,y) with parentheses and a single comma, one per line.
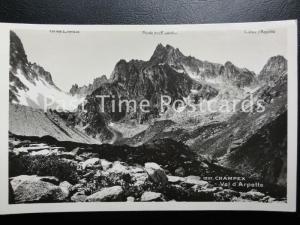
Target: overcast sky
(81,57)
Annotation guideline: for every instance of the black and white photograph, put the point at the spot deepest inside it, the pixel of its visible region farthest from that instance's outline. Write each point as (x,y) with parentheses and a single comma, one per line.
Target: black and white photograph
(143,114)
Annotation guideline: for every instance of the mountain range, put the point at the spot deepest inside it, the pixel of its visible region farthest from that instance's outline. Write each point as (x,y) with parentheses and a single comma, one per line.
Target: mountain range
(250,143)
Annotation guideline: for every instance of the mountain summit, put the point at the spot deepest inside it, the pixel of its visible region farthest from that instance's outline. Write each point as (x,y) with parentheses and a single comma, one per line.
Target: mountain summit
(275,68)
(202,70)
(167,54)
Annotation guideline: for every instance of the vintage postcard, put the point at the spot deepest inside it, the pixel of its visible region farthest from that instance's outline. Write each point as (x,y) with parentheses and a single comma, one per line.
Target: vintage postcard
(148,117)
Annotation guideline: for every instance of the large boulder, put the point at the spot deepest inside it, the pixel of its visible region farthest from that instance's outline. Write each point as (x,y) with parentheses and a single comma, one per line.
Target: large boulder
(139,177)
(156,173)
(118,174)
(44,152)
(33,189)
(150,196)
(91,163)
(195,180)
(119,168)
(15,181)
(175,179)
(105,164)
(66,187)
(114,193)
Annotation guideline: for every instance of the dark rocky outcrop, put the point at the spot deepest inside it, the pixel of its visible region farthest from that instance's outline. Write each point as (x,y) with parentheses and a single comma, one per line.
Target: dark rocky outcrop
(269,164)
(131,81)
(204,70)
(18,56)
(138,80)
(88,89)
(236,76)
(275,68)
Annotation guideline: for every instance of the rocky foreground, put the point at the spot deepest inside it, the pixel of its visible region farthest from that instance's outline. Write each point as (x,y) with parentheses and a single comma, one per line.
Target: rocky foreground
(43,172)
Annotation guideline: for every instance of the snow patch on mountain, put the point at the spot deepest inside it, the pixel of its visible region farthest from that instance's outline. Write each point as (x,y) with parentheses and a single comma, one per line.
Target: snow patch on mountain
(40,94)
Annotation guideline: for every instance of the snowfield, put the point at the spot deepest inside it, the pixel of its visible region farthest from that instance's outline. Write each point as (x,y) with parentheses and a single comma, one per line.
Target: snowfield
(41,94)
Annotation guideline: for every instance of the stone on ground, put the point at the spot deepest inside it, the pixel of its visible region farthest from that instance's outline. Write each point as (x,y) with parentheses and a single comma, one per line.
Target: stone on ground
(195,180)
(150,196)
(91,163)
(156,173)
(32,189)
(114,193)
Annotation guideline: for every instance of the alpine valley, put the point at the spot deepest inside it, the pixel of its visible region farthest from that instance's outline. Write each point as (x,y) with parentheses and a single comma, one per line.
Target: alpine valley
(98,154)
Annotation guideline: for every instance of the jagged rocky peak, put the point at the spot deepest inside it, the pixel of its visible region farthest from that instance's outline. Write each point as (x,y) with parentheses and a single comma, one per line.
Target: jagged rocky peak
(166,54)
(203,70)
(229,64)
(229,69)
(18,60)
(120,68)
(42,73)
(125,71)
(150,78)
(17,51)
(240,77)
(74,89)
(274,69)
(88,89)
(137,79)
(100,80)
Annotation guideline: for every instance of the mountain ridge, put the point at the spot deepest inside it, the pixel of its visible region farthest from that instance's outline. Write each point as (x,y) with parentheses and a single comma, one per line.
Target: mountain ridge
(195,68)
(31,85)
(88,89)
